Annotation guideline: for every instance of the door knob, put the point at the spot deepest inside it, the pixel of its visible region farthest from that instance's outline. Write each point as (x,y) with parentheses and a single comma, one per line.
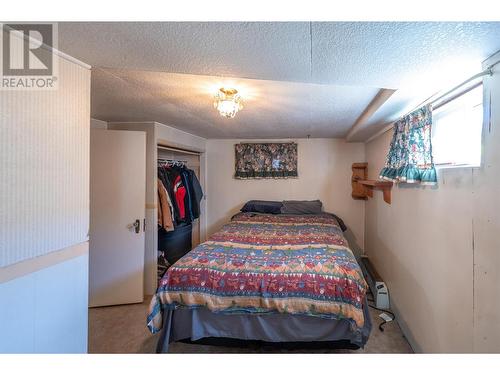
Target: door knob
(137,226)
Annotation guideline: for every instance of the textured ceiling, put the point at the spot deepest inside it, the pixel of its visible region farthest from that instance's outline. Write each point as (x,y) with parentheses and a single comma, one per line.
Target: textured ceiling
(272,109)
(417,59)
(273,51)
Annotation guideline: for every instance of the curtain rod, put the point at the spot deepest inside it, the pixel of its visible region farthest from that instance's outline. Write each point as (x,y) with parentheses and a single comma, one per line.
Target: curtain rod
(487,71)
(459,94)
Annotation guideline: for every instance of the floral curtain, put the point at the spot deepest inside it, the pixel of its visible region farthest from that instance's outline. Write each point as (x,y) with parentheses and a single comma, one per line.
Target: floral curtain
(410,155)
(265,160)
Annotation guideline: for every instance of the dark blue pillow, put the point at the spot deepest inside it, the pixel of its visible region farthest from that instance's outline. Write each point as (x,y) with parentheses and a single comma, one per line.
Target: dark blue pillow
(265,207)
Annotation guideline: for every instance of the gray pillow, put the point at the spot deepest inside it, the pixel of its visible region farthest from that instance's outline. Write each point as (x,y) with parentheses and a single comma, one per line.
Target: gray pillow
(302,207)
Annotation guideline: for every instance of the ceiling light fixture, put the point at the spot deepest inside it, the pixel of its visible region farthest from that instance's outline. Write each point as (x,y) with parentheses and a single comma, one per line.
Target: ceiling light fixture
(228,102)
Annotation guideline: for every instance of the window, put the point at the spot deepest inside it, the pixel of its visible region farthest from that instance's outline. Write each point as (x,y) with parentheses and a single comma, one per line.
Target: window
(456,130)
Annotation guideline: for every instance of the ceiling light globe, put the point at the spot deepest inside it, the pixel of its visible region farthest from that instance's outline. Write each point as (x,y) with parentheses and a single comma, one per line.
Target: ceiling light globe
(228,102)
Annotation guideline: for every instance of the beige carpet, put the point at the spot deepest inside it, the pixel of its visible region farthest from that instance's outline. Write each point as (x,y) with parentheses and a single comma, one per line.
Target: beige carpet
(122,329)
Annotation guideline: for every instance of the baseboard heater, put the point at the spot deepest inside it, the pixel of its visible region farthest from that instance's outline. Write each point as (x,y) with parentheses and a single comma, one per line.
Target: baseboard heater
(376,284)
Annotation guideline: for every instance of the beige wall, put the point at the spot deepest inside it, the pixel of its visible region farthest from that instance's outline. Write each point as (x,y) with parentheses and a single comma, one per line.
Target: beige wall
(44,215)
(423,255)
(437,248)
(486,225)
(324,173)
(44,172)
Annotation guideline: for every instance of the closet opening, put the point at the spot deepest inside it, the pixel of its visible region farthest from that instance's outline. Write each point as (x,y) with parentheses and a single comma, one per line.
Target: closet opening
(179,195)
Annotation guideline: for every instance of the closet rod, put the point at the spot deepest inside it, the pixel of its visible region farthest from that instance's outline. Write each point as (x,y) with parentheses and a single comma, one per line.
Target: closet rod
(180,150)
(160,160)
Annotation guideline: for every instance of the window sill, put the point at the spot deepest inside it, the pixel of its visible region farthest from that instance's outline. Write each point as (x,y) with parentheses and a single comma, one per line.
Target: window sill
(455,166)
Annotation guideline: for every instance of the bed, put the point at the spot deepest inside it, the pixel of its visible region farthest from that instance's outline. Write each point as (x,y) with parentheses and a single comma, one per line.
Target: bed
(272,278)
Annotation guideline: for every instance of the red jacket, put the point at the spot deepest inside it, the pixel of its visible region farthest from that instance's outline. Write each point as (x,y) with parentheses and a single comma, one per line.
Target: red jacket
(180,193)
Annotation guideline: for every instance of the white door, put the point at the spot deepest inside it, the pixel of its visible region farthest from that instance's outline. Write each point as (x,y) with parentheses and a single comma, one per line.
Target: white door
(117,210)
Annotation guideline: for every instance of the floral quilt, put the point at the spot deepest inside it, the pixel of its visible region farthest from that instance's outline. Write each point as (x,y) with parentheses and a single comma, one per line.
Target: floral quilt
(263,264)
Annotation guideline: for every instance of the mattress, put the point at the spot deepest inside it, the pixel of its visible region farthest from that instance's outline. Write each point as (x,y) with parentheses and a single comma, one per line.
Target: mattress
(258,265)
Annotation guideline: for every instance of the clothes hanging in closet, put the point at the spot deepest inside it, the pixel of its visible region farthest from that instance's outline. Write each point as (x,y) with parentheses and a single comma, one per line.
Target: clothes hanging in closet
(184,194)
(165,209)
(195,191)
(180,195)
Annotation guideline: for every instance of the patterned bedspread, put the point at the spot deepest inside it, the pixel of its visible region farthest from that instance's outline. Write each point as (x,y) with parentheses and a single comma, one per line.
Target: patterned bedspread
(259,264)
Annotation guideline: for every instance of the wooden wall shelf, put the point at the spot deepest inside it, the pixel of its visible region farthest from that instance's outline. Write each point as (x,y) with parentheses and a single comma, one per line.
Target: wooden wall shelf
(385,186)
(376,183)
(362,188)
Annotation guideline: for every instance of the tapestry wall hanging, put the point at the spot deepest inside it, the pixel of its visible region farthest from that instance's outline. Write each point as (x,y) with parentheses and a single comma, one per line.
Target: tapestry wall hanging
(265,160)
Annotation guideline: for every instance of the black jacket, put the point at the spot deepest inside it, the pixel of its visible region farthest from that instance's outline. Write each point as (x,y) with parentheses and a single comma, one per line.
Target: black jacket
(196,192)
